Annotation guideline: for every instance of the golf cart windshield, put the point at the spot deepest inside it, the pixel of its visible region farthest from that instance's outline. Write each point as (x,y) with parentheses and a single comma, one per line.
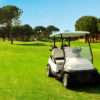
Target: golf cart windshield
(81,50)
(85,49)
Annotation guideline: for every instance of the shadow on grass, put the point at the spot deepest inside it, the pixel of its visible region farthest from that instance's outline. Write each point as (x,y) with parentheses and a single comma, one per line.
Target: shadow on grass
(34,44)
(89,89)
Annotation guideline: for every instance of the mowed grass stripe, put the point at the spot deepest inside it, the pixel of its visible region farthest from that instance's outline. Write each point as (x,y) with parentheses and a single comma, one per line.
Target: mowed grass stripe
(23,74)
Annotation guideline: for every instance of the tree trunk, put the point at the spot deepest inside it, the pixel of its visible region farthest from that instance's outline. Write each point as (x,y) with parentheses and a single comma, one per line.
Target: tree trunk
(9,26)
(11,39)
(86,38)
(4,38)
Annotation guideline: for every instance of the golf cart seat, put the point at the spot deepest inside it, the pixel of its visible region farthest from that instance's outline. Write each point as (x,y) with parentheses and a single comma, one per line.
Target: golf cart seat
(58,55)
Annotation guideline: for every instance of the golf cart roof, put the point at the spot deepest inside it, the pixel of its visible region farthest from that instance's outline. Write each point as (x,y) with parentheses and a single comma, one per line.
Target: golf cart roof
(69,34)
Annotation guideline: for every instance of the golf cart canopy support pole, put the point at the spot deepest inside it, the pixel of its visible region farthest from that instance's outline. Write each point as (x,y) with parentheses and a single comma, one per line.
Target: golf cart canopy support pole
(54,41)
(90,50)
(62,40)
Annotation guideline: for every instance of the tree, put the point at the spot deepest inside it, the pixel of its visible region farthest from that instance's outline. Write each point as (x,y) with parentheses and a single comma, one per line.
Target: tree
(98,25)
(40,32)
(16,31)
(3,33)
(98,30)
(22,32)
(87,23)
(27,32)
(8,15)
(51,29)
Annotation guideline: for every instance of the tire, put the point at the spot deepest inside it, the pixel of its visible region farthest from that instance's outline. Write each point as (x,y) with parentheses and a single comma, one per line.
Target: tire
(49,73)
(65,80)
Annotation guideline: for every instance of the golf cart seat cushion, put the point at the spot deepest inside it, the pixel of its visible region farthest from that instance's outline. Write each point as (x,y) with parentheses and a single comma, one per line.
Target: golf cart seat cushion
(60,61)
(57,53)
(60,64)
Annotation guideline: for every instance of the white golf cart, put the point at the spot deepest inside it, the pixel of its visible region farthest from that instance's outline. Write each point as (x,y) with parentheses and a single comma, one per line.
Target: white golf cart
(72,64)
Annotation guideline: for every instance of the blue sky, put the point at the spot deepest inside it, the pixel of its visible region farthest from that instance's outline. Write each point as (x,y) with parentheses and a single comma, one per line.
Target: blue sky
(61,13)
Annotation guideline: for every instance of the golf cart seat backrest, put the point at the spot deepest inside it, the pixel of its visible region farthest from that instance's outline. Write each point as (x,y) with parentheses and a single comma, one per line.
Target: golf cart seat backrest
(57,53)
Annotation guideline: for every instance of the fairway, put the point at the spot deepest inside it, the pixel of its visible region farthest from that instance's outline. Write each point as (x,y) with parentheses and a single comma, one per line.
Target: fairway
(23,74)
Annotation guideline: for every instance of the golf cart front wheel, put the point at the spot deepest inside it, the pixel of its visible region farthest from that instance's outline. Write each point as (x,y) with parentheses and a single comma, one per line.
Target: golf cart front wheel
(65,80)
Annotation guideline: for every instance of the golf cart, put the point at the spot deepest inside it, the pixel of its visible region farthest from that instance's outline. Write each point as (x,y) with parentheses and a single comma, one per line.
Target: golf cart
(72,64)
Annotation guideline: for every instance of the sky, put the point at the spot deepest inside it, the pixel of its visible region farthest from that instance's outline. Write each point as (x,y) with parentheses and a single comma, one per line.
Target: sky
(61,13)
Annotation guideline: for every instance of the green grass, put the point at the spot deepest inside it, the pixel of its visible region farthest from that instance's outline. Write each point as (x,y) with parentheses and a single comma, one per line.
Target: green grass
(23,74)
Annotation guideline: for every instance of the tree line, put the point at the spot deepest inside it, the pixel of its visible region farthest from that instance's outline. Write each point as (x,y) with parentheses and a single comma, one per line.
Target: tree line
(11,28)
(91,24)
(27,33)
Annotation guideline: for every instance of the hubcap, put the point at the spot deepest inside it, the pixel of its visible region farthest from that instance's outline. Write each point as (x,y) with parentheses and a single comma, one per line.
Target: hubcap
(65,80)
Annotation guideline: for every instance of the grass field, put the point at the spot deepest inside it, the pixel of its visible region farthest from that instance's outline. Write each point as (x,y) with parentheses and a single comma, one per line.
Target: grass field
(23,74)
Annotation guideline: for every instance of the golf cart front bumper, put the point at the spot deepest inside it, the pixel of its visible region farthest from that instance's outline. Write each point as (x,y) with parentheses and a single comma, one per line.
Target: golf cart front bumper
(89,77)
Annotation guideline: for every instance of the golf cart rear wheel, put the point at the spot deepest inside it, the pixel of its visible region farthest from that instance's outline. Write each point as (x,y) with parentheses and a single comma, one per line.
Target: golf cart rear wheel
(65,80)
(49,73)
